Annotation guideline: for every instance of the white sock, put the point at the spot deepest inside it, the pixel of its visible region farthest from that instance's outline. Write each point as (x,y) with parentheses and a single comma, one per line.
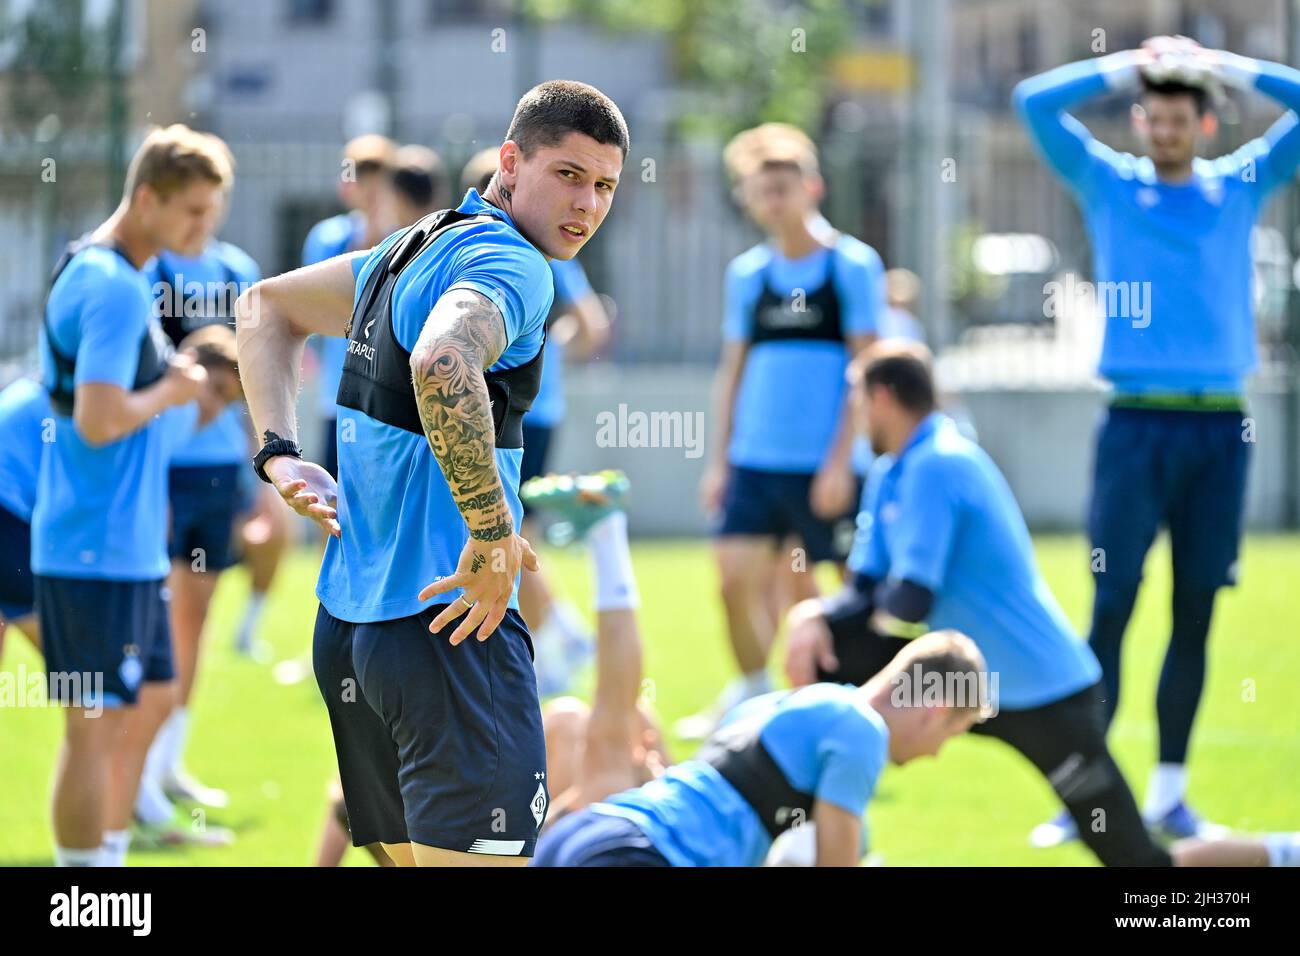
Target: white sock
(172,736)
(252,613)
(151,804)
(1283,849)
(66,856)
(1167,786)
(756,683)
(113,852)
(612,561)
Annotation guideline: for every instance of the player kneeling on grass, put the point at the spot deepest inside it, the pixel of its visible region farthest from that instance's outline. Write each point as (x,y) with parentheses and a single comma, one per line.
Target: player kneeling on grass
(779,761)
(945,546)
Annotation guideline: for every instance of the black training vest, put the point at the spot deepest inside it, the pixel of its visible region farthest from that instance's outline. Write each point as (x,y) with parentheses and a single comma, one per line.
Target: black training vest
(377,371)
(217,305)
(737,753)
(155,349)
(776,317)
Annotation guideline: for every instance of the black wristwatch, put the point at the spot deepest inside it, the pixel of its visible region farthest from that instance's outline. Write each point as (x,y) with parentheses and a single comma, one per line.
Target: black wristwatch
(275,445)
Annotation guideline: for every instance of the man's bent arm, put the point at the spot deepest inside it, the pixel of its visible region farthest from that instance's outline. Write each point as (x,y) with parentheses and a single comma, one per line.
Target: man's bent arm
(273,320)
(1042,100)
(103,413)
(726,383)
(839,835)
(1278,82)
(463,336)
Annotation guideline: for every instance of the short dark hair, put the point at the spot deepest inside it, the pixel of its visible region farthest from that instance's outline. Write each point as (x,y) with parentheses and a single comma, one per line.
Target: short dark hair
(418,175)
(551,110)
(901,367)
(1200,96)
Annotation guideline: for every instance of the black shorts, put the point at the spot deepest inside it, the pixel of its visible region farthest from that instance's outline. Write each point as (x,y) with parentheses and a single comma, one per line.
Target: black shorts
(1065,740)
(103,639)
(437,745)
(205,500)
(17,598)
(537,449)
(330,444)
(775,504)
(587,838)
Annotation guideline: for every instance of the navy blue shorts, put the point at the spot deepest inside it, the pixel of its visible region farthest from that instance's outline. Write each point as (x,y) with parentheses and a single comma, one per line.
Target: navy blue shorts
(588,838)
(775,504)
(1182,470)
(437,745)
(16,595)
(205,500)
(537,449)
(114,635)
(330,458)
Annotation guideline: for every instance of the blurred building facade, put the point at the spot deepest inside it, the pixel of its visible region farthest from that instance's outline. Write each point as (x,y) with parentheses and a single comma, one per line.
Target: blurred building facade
(286,82)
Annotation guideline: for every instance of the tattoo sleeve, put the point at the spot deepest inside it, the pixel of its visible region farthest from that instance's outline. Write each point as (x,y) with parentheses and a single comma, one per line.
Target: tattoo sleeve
(464,335)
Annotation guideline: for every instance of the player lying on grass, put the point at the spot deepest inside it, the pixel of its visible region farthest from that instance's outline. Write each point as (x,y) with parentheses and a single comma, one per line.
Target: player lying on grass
(945,546)
(615,743)
(780,761)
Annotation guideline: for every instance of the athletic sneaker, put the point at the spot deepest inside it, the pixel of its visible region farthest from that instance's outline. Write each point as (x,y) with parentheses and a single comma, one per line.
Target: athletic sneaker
(165,836)
(578,501)
(180,785)
(1182,822)
(1060,829)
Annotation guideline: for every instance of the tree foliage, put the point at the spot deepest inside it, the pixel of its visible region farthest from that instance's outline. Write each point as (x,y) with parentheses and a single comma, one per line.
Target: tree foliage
(743,61)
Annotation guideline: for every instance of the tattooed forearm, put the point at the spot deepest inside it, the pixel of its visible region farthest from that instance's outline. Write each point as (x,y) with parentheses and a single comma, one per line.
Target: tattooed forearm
(485,500)
(464,335)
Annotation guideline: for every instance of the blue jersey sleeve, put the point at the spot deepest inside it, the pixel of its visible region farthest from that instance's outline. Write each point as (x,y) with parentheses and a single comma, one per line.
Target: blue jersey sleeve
(870,556)
(239,262)
(571,282)
(1271,160)
(738,302)
(320,243)
(312,247)
(860,281)
(1064,143)
(114,314)
(180,423)
(929,509)
(850,759)
(512,275)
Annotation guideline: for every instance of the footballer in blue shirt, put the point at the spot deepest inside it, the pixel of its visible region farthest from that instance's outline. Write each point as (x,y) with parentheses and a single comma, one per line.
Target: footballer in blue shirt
(122,405)
(367,161)
(1171,243)
(787,775)
(195,289)
(576,329)
(798,307)
(442,758)
(947,548)
(26,424)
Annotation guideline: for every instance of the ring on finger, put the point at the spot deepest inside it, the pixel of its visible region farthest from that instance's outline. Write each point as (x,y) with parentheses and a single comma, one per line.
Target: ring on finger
(464,602)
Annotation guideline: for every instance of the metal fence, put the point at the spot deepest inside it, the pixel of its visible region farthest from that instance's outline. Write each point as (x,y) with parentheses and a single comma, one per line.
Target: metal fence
(661,254)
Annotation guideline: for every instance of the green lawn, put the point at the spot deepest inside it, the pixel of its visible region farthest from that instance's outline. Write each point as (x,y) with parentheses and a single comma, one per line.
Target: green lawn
(269,745)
